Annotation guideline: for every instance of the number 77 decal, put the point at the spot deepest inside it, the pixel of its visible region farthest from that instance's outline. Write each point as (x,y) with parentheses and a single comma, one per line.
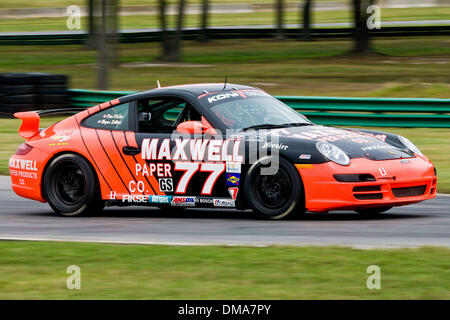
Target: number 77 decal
(191,168)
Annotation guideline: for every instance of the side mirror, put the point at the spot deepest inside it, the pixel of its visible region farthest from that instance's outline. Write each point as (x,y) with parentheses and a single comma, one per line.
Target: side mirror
(192,127)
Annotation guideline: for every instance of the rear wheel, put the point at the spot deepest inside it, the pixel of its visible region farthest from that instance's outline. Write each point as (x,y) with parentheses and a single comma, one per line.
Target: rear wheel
(71,186)
(274,196)
(373,211)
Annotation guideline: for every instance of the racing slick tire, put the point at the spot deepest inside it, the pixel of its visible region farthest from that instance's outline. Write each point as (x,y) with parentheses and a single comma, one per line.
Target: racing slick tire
(71,187)
(274,196)
(373,211)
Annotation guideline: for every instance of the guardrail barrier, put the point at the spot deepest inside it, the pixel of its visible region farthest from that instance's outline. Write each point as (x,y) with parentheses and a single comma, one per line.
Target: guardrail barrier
(380,112)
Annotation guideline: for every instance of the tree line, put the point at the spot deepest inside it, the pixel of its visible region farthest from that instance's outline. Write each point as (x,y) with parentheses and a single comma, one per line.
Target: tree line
(103,21)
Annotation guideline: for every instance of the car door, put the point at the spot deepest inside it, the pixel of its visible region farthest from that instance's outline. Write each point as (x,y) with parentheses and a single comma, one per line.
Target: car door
(185,170)
(106,133)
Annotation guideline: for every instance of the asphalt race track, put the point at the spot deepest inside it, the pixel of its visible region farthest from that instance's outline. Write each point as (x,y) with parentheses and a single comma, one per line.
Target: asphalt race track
(426,223)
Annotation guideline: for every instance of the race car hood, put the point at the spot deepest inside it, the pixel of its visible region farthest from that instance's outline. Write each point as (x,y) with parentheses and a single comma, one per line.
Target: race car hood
(300,141)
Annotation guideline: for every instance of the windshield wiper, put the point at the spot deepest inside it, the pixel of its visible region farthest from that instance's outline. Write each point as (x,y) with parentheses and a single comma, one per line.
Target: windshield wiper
(271,126)
(295,124)
(261,126)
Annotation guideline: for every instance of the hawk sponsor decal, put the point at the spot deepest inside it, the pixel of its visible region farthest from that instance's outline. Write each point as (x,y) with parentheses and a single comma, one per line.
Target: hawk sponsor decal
(271,145)
(183,201)
(160,199)
(305,156)
(233,192)
(165,185)
(382,171)
(233,167)
(224,203)
(112,195)
(233,179)
(135,198)
(192,150)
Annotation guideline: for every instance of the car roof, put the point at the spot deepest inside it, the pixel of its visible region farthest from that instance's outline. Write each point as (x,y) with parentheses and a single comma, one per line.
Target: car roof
(186,89)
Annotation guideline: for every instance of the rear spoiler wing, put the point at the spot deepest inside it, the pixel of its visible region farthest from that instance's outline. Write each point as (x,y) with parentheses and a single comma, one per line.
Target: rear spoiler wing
(31,120)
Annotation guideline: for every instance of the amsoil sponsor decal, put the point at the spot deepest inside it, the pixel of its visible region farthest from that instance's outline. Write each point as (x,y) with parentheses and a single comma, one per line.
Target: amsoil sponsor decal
(224,203)
(183,201)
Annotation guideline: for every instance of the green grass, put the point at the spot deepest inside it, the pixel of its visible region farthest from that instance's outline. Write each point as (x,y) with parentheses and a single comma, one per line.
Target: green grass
(37,270)
(151,21)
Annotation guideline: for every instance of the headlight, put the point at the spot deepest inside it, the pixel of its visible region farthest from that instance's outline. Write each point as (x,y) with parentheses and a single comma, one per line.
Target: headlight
(408,144)
(333,153)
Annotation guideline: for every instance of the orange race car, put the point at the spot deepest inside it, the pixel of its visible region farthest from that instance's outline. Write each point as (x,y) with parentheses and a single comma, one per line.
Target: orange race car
(213,145)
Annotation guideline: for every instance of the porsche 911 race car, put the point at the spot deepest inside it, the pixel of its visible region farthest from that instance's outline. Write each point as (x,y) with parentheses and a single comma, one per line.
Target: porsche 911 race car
(217,146)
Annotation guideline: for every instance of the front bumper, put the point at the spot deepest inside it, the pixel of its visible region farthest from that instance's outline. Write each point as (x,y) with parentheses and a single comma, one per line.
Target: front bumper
(397,182)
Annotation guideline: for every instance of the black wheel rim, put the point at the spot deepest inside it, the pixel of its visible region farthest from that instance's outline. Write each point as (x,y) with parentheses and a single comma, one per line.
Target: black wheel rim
(273,191)
(70,184)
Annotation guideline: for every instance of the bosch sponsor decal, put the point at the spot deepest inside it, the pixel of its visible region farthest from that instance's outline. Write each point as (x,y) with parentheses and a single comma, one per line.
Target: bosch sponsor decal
(183,201)
(205,200)
(224,203)
(233,192)
(233,167)
(160,199)
(192,150)
(165,185)
(233,179)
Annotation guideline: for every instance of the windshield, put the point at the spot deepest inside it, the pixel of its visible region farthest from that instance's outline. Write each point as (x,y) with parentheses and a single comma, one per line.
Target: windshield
(243,109)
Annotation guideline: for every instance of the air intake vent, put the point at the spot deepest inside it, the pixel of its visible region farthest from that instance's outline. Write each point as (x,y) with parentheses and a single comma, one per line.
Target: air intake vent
(409,191)
(369,196)
(366,188)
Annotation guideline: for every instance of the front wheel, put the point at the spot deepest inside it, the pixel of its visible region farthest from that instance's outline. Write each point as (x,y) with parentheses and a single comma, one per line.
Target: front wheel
(71,186)
(277,195)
